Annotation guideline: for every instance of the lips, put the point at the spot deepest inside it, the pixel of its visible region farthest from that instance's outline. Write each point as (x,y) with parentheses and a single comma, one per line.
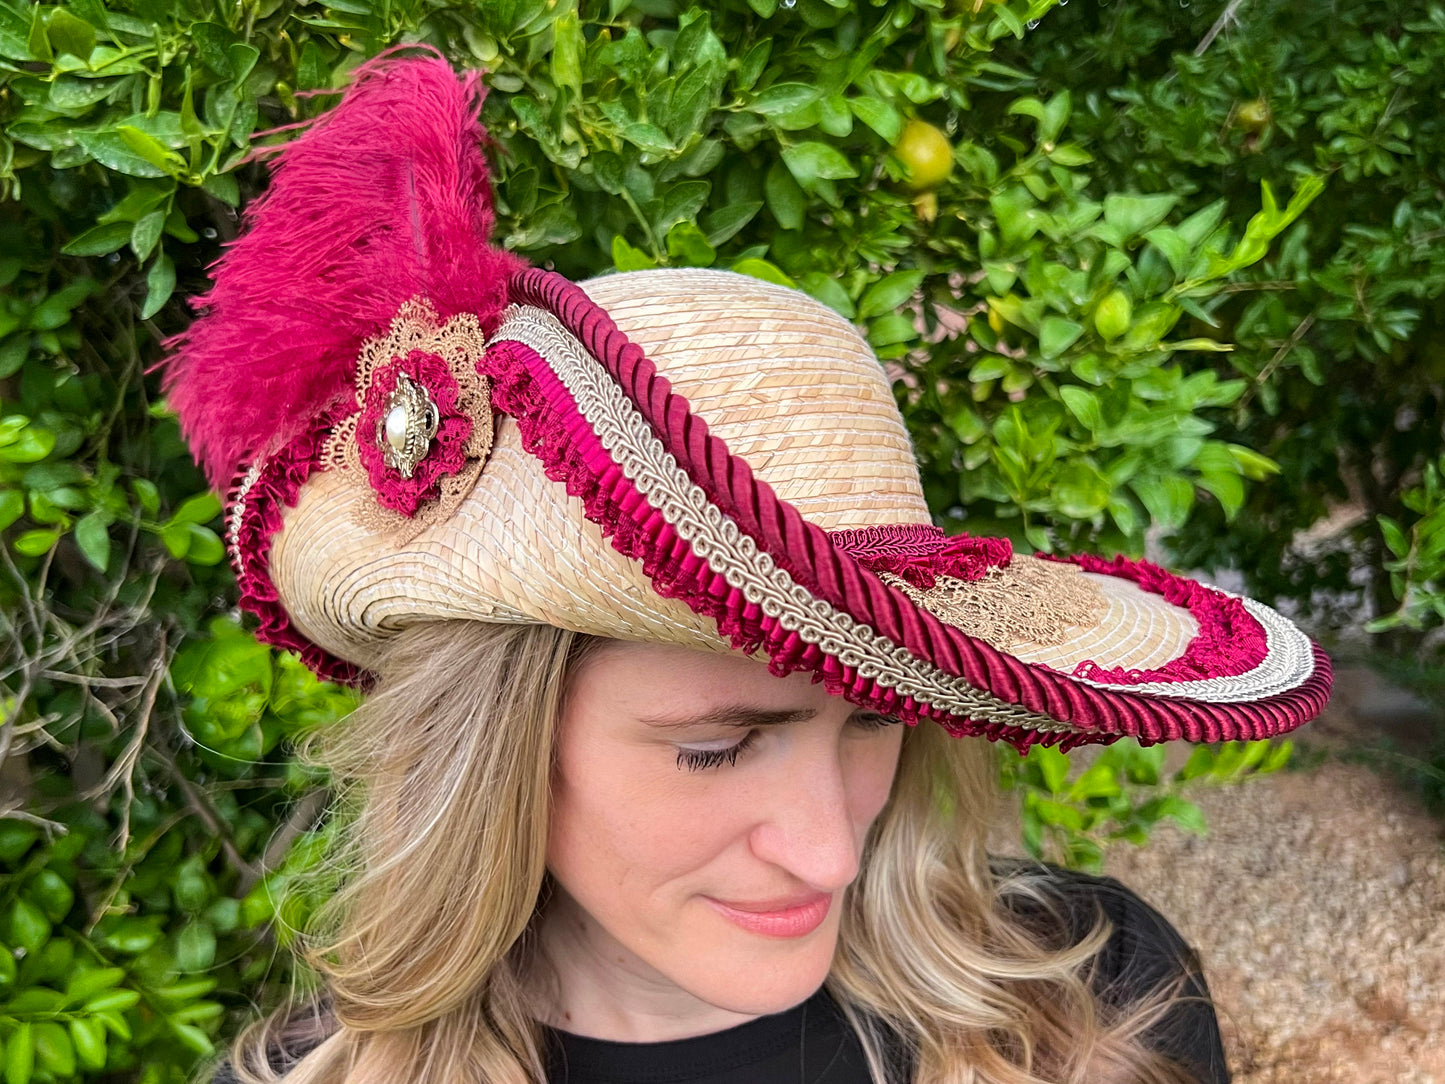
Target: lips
(797,916)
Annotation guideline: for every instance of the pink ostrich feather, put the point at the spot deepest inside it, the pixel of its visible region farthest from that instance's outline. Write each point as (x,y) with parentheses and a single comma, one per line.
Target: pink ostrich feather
(381,199)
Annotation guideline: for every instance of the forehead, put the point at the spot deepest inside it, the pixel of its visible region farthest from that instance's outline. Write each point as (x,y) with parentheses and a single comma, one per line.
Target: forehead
(646,676)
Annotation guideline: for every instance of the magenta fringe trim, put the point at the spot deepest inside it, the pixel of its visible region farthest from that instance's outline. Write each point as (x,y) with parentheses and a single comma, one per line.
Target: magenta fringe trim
(1230,641)
(919,553)
(276,487)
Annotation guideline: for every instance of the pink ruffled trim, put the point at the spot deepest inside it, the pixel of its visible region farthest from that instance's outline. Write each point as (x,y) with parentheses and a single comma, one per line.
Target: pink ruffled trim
(1230,641)
(275,488)
(919,553)
(448,452)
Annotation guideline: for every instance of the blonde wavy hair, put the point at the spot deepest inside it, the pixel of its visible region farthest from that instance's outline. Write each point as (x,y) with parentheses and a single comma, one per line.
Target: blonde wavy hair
(442,777)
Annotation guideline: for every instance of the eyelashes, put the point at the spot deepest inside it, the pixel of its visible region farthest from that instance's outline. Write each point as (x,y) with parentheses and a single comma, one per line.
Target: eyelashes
(697,760)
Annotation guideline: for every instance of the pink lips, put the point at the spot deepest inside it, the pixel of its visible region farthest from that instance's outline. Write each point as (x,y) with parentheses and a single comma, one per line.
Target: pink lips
(792,918)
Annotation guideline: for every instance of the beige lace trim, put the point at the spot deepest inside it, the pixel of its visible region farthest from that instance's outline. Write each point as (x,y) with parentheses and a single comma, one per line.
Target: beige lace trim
(1028,601)
(460,342)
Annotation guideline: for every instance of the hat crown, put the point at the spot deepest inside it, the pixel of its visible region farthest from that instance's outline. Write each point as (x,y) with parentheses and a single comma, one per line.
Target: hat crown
(785,381)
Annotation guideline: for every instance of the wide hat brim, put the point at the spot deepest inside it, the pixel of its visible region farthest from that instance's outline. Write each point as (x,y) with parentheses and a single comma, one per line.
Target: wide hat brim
(702,458)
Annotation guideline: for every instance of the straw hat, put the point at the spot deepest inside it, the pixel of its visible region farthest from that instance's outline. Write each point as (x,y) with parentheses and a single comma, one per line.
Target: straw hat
(420,427)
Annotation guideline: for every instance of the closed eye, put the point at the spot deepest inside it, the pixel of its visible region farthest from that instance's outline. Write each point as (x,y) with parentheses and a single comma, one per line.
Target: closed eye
(703,755)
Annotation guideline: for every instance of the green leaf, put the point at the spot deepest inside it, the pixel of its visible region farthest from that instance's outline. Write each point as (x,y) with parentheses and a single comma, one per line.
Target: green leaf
(69,34)
(12,506)
(176,537)
(1136,215)
(20,1054)
(762,269)
(721,225)
(567,48)
(34,543)
(194,1039)
(1184,812)
(1053,767)
(80,985)
(627,257)
(811,162)
(687,245)
(160,284)
(1057,334)
(99,240)
(206,547)
(784,197)
(92,536)
(1098,782)
(1084,405)
(111,150)
(210,41)
(889,293)
(13,352)
(886,121)
(53,1050)
(195,946)
(28,926)
(829,291)
(146,494)
(88,1035)
(146,233)
(200,508)
(223,186)
(114,1000)
(146,146)
(784,98)
(891,329)
(1168,498)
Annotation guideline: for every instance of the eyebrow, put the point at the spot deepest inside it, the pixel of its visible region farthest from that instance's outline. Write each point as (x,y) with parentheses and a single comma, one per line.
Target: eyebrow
(738,715)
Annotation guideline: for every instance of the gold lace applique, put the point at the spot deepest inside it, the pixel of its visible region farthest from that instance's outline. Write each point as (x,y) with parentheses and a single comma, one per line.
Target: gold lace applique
(1028,601)
(460,342)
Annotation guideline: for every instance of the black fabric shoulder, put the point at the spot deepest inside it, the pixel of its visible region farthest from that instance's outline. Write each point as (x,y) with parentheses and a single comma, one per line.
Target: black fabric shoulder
(1144,954)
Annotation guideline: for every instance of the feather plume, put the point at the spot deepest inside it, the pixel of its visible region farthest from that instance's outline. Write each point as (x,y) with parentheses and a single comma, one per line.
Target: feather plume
(381,199)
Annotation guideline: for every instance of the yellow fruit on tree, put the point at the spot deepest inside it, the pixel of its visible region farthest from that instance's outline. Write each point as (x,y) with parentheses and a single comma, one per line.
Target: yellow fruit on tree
(1253,116)
(925,154)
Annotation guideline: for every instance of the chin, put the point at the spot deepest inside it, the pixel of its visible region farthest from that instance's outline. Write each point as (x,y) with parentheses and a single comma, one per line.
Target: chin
(757,976)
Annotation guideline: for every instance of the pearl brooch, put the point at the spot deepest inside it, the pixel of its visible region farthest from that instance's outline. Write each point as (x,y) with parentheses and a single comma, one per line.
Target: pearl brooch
(407,425)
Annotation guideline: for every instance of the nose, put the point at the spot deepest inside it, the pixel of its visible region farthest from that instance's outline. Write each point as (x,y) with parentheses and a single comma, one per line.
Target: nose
(806,826)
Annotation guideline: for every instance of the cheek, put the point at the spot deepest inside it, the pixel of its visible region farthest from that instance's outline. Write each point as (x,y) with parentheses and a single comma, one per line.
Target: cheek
(614,840)
(871,768)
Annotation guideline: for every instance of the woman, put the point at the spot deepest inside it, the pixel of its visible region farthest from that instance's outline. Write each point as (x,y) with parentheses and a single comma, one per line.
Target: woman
(671,768)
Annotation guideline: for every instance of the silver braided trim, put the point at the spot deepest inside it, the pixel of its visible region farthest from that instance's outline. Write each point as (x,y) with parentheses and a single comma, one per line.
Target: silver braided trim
(718,540)
(1289,660)
(238,513)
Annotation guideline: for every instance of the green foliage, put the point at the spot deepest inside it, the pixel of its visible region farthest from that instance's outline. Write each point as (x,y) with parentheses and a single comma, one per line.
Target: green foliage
(1058,310)
(1416,562)
(1072,808)
(1339,331)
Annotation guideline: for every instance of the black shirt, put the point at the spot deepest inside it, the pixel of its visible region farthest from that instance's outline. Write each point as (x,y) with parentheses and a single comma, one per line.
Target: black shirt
(812,1043)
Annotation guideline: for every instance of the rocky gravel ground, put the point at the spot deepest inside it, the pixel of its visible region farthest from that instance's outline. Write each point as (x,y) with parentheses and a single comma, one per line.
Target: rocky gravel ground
(1317,903)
